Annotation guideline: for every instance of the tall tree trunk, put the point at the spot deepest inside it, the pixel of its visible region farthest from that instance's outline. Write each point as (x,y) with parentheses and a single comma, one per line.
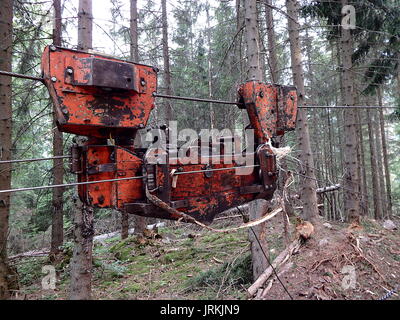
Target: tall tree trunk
(351,179)
(6,30)
(307,180)
(139,222)
(167,73)
(254,73)
(272,58)
(364,190)
(360,155)
(210,84)
(57,232)
(239,56)
(85,25)
(379,162)
(374,169)
(385,157)
(81,263)
(134,32)
(254,70)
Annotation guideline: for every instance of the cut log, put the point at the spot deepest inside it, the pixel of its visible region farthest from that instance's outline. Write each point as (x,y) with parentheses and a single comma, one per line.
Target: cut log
(329,189)
(320,190)
(320,205)
(305,229)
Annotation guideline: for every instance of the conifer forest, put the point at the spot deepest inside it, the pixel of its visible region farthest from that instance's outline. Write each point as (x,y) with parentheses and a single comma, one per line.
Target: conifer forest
(199,150)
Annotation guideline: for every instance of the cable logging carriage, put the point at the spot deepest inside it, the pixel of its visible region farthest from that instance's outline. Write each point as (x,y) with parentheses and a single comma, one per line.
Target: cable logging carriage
(106,99)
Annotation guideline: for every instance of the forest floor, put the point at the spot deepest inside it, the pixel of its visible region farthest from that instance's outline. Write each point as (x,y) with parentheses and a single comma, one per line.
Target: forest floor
(340,261)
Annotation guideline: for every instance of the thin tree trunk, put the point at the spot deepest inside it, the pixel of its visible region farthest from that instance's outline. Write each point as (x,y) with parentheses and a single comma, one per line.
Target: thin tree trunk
(385,157)
(258,235)
(273,58)
(57,232)
(210,87)
(374,169)
(139,221)
(332,160)
(379,162)
(134,32)
(85,25)
(307,180)
(254,73)
(167,73)
(239,24)
(360,152)
(6,30)
(254,70)
(351,178)
(81,263)
(364,197)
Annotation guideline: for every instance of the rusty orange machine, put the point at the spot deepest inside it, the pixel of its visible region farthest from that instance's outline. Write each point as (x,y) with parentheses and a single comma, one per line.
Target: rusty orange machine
(106,99)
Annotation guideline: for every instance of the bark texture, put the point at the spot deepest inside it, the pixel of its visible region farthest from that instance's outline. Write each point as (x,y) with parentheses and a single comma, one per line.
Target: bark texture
(134,32)
(81,263)
(167,72)
(139,222)
(272,58)
(258,208)
(254,70)
(385,157)
(374,169)
(351,178)
(57,232)
(85,25)
(307,180)
(6,29)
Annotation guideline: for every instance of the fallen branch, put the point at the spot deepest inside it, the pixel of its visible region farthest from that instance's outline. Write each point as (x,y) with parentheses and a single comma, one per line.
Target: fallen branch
(105,236)
(187,218)
(328,189)
(279,261)
(321,190)
(320,205)
(31,254)
(271,282)
(100,238)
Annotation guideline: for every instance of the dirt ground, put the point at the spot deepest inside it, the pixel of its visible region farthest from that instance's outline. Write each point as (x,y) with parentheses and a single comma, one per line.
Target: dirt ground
(343,261)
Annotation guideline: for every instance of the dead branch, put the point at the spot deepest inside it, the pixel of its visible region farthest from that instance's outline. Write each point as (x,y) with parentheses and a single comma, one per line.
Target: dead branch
(278,262)
(187,218)
(328,189)
(31,254)
(271,282)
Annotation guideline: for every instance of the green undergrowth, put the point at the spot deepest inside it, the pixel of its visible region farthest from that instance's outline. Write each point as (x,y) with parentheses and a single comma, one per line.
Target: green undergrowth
(175,266)
(234,274)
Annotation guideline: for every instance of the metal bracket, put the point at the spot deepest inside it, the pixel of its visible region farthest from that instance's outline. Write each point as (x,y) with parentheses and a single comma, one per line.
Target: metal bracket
(105,167)
(179,204)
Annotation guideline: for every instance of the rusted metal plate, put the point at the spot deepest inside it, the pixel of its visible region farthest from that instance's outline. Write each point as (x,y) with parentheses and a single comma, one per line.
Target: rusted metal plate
(106,73)
(272,109)
(105,103)
(287,109)
(260,100)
